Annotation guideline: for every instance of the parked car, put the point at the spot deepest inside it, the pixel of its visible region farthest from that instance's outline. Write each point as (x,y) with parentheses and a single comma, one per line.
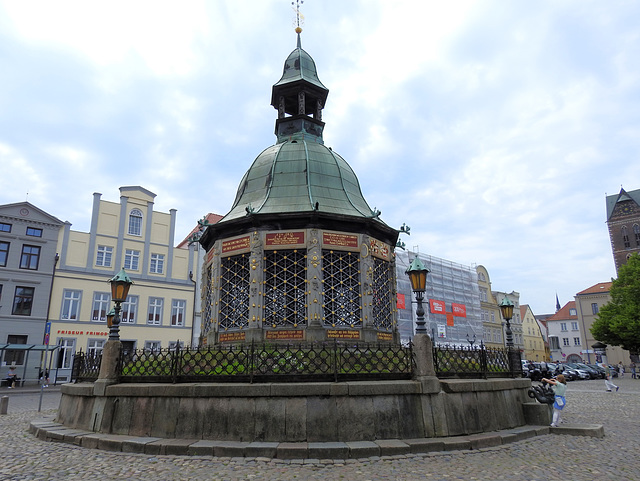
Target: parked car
(593,373)
(601,371)
(567,372)
(582,373)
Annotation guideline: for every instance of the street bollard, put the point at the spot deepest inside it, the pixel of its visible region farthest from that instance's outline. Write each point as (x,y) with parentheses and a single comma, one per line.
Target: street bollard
(4,404)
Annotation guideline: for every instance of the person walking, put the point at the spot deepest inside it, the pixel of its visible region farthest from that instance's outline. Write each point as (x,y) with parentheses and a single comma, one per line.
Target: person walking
(559,386)
(633,370)
(620,369)
(607,380)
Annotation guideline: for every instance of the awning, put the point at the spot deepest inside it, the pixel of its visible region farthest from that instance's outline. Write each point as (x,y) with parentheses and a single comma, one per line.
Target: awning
(28,347)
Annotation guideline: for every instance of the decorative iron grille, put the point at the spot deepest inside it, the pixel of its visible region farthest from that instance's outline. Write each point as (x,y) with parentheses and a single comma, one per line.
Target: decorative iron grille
(267,363)
(207,308)
(476,362)
(341,289)
(284,288)
(85,367)
(382,307)
(234,293)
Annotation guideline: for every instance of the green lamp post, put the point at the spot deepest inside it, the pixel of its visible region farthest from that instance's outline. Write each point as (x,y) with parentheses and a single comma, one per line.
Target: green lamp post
(120,284)
(506,308)
(417,273)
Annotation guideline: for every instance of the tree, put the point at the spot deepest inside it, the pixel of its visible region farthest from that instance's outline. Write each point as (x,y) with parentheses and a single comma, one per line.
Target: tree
(618,322)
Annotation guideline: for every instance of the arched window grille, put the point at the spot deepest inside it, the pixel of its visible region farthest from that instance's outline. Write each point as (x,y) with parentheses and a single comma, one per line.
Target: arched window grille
(233,313)
(284,289)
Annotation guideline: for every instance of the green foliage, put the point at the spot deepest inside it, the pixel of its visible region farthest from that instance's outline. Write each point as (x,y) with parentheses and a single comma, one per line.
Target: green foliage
(618,322)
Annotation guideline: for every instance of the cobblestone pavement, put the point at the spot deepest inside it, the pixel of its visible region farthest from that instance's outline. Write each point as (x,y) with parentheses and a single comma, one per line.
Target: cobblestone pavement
(550,457)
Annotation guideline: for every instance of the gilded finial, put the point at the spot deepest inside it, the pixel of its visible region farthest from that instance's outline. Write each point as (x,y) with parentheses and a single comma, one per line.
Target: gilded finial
(298,20)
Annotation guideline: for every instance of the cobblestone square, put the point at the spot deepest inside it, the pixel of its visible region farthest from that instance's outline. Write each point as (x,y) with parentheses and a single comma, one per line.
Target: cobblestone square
(550,457)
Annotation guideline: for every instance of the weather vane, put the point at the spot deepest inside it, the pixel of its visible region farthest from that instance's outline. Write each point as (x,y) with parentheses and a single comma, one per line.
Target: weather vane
(298,20)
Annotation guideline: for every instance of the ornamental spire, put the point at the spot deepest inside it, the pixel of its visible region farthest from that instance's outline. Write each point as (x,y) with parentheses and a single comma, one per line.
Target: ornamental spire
(298,20)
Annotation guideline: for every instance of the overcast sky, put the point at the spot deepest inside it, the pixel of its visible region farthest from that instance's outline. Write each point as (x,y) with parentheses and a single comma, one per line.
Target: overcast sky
(494,129)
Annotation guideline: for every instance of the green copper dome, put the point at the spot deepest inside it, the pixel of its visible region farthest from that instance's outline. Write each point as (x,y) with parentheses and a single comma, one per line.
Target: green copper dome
(299,176)
(299,181)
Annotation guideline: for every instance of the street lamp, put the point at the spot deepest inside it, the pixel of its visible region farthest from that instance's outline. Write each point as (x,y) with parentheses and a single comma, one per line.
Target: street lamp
(120,284)
(417,273)
(506,308)
(471,341)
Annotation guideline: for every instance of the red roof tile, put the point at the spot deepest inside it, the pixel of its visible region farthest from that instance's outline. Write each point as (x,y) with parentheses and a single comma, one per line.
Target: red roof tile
(599,287)
(211,219)
(564,313)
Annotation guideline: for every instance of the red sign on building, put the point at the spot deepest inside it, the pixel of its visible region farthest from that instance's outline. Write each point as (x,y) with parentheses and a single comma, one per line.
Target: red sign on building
(437,307)
(459,310)
(400,301)
(449,318)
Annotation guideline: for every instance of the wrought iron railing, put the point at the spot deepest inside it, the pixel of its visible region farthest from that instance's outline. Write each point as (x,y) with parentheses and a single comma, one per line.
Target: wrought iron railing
(86,366)
(269,362)
(476,362)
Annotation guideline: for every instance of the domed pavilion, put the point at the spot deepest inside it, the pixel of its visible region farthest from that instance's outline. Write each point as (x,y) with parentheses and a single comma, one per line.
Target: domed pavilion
(300,256)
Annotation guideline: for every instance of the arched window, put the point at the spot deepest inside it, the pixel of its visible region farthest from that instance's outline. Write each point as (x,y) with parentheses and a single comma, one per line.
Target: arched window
(625,236)
(636,232)
(135,222)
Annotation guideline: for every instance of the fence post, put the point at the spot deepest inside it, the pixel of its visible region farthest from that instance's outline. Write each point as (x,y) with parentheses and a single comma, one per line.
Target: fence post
(335,360)
(252,362)
(424,352)
(109,367)
(174,367)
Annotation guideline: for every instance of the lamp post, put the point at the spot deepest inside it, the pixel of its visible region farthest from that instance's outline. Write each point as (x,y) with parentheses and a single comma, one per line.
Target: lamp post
(506,308)
(120,284)
(471,341)
(417,273)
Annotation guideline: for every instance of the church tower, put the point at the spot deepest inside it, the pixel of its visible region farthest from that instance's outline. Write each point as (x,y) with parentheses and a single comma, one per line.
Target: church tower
(623,220)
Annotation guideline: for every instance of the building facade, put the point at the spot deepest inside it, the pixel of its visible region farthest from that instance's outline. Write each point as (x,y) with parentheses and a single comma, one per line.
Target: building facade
(451,300)
(158,312)
(490,311)
(28,246)
(516,322)
(623,221)
(588,303)
(532,337)
(565,339)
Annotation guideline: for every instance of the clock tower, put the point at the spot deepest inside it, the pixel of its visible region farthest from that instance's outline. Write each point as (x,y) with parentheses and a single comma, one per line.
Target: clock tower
(623,220)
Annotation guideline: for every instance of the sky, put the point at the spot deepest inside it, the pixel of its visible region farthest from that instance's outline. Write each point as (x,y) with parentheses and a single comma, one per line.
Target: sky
(494,129)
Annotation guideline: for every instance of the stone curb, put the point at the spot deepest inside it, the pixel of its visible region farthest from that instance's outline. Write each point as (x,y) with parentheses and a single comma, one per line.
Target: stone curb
(47,430)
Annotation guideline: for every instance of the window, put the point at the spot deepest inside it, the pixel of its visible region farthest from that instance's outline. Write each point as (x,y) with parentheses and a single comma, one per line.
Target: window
(14,356)
(22,301)
(30,257)
(636,233)
(594,308)
(94,347)
(5,227)
(493,316)
(4,253)
(573,312)
(565,341)
(563,326)
(135,222)
(70,304)
(65,353)
(129,308)
(155,311)
(574,325)
(625,236)
(483,294)
(32,231)
(157,264)
(554,343)
(576,341)
(482,277)
(103,258)
(178,308)
(131,259)
(152,346)
(100,306)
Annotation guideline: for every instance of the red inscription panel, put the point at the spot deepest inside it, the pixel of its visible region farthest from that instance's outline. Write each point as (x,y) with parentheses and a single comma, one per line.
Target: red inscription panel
(341,240)
(235,244)
(284,238)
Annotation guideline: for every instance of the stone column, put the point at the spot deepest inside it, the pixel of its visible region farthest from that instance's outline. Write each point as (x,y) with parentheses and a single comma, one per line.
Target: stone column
(108,367)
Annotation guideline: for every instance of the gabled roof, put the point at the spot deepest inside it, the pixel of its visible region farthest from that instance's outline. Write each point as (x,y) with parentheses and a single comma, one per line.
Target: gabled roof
(15,207)
(210,218)
(622,196)
(597,289)
(564,313)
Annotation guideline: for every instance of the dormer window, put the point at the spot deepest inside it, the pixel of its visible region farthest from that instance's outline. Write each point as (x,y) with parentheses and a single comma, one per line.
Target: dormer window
(135,222)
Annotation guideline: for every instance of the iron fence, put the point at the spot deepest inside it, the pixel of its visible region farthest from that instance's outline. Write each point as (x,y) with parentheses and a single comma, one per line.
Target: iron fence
(268,362)
(476,362)
(86,366)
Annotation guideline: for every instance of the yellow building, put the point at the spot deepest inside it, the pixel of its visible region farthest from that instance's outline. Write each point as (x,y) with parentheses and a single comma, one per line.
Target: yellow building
(158,312)
(533,340)
(489,311)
